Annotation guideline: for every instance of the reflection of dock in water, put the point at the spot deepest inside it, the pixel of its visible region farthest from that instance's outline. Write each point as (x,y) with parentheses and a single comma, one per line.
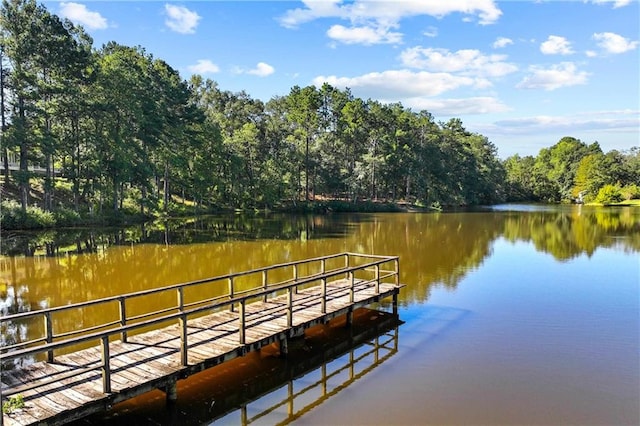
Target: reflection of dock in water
(340,367)
(267,389)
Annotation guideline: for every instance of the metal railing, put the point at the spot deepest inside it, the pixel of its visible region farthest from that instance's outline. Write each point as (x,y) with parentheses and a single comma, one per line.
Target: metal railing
(331,267)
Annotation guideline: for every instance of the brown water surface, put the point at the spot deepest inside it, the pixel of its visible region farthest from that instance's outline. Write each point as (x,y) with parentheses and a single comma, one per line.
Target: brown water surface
(512,315)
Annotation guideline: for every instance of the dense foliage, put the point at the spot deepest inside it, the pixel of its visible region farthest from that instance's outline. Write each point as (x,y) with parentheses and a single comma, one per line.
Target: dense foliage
(123,129)
(573,171)
(115,129)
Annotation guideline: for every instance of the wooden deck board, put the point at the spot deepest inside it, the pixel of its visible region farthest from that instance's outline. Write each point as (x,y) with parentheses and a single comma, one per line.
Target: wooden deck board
(154,356)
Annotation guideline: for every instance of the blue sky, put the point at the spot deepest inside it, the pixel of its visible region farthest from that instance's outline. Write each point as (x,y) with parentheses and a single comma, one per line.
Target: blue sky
(522,73)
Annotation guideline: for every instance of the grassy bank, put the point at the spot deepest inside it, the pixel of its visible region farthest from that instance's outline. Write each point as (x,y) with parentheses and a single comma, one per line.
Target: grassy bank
(626,203)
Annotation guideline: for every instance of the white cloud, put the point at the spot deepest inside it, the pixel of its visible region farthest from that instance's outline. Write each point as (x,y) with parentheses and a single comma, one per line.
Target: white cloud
(204,66)
(612,129)
(614,43)
(364,35)
(397,84)
(556,45)
(616,3)
(561,75)
(314,10)
(465,106)
(79,14)
(621,121)
(466,61)
(430,32)
(591,54)
(502,42)
(180,19)
(262,69)
(384,15)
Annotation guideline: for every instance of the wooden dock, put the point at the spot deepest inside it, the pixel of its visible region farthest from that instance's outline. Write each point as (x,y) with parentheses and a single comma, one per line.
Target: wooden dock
(153,350)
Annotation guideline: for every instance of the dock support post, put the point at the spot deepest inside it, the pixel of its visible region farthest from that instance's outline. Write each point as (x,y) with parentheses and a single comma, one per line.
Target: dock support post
(171,391)
(349,318)
(284,346)
(395,303)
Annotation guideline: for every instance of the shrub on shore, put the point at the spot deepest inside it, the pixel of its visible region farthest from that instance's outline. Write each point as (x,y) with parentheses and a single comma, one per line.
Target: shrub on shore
(13,217)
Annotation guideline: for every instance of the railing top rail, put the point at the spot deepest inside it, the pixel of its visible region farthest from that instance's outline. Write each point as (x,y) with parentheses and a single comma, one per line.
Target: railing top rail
(372,256)
(141,293)
(259,292)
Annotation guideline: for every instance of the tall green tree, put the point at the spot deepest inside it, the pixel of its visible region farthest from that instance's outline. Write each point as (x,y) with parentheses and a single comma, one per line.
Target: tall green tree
(519,182)
(21,22)
(46,56)
(124,101)
(562,162)
(303,105)
(354,137)
(592,173)
(4,72)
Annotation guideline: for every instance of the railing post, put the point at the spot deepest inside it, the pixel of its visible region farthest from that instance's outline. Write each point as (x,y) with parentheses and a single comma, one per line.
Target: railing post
(184,355)
(232,307)
(323,303)
(397,265)
(377,278)
(48,330)
(352,287)
(106,368)
(289,307)
(123,318)
(180,299)
(295,276)
(241,328)
(323,266)
(346,264)
(265,284)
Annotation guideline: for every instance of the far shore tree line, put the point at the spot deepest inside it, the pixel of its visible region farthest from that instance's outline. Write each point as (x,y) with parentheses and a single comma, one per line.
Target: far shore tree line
(94,132)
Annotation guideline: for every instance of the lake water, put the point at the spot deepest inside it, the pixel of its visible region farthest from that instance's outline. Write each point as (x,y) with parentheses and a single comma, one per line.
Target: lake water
(517,314)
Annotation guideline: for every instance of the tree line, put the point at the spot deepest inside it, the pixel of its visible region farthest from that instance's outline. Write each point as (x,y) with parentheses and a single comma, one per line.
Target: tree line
(572,170)
(116,129)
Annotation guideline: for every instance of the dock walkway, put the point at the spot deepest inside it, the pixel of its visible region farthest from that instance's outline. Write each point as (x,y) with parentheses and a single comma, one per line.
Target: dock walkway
(153,350)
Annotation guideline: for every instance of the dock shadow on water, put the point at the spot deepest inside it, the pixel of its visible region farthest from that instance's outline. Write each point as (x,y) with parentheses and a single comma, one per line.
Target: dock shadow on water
(266,388)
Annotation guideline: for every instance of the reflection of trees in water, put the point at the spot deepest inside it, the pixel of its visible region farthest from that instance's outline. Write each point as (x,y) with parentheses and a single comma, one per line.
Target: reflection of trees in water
(13,300)
(569,234)
(179,231)
(434,249)
(437,248)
